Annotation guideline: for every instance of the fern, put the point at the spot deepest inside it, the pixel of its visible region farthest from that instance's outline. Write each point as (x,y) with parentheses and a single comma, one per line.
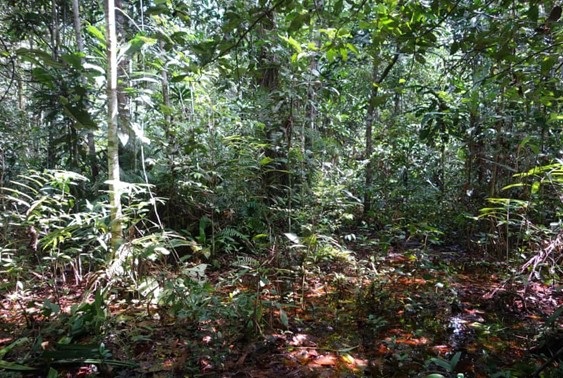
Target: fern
(246,262)
(231,233)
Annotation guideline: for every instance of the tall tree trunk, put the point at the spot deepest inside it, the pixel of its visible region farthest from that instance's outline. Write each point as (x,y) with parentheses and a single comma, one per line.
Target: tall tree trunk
(129,151)
(370,119)
(80,47)
(52,124)
(112,121)
(278,126)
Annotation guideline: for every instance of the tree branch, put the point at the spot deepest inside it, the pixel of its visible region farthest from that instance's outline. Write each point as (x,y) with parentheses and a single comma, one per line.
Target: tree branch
(245,33)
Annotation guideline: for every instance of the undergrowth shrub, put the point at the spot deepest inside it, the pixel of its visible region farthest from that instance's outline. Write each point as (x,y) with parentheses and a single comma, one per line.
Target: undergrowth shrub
(43,221)
(527,225)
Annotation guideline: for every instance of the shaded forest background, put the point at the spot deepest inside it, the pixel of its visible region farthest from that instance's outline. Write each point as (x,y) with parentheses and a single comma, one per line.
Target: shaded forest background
(269,137)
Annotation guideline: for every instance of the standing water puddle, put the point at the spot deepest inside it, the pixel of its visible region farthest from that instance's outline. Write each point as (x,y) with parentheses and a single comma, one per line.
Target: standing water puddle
(461,329)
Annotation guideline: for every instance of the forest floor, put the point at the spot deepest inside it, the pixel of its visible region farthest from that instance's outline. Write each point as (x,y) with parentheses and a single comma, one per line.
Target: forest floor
(409,312)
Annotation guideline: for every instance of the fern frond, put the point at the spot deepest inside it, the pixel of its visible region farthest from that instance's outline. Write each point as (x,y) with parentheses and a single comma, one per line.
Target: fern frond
(246,262)
(230,232)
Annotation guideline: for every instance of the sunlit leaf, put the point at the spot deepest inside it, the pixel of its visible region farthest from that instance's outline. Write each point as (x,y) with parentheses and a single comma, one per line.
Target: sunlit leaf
(331,54)
(259,237)
(265,160)
(293,43)
(352,48)
(96,33)
(344,54)
(346,357)
(292,237)
(515,185)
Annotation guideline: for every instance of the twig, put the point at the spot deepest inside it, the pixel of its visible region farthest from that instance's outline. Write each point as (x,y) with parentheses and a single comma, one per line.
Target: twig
(547,363)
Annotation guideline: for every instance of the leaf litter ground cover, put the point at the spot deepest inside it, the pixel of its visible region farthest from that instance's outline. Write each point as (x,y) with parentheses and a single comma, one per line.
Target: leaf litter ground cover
(403,313)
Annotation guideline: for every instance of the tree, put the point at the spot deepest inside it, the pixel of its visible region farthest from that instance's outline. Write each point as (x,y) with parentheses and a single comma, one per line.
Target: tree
(80,49)
(112,125)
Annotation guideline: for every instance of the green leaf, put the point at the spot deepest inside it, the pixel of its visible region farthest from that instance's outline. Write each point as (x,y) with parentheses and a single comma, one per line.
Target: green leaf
(74,60)
(50,308)
(293,43)
(8,348)
(379,100)
(420,58)
(547,64)
(331,54)
(515,185)
(38,56)
(535,187)
(338,7)
(6,365)
(166,110)
(455,360)
(137,43)
(265,160)
(259,236)
(79,114)
(553,317)
(232,21)
(352,48)
(533,12)
(344,54)
(96,33)
(298,22)
(454,48)
(442,363)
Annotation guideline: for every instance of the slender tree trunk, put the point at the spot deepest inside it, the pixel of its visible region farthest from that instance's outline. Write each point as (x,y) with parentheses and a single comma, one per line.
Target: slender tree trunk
(112,121)
(21,94)
(370,119)
(80,47)
(52,124)
(123,100)
(371,116)
(307,133)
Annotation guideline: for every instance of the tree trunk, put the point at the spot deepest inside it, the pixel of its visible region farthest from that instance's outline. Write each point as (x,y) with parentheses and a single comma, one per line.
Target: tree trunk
(278,125)
(112,121)
(370,119)
(130,148)
(80,47)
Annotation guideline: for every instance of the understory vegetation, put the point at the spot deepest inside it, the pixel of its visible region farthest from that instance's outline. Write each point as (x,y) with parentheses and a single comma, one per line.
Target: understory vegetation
(288,188)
